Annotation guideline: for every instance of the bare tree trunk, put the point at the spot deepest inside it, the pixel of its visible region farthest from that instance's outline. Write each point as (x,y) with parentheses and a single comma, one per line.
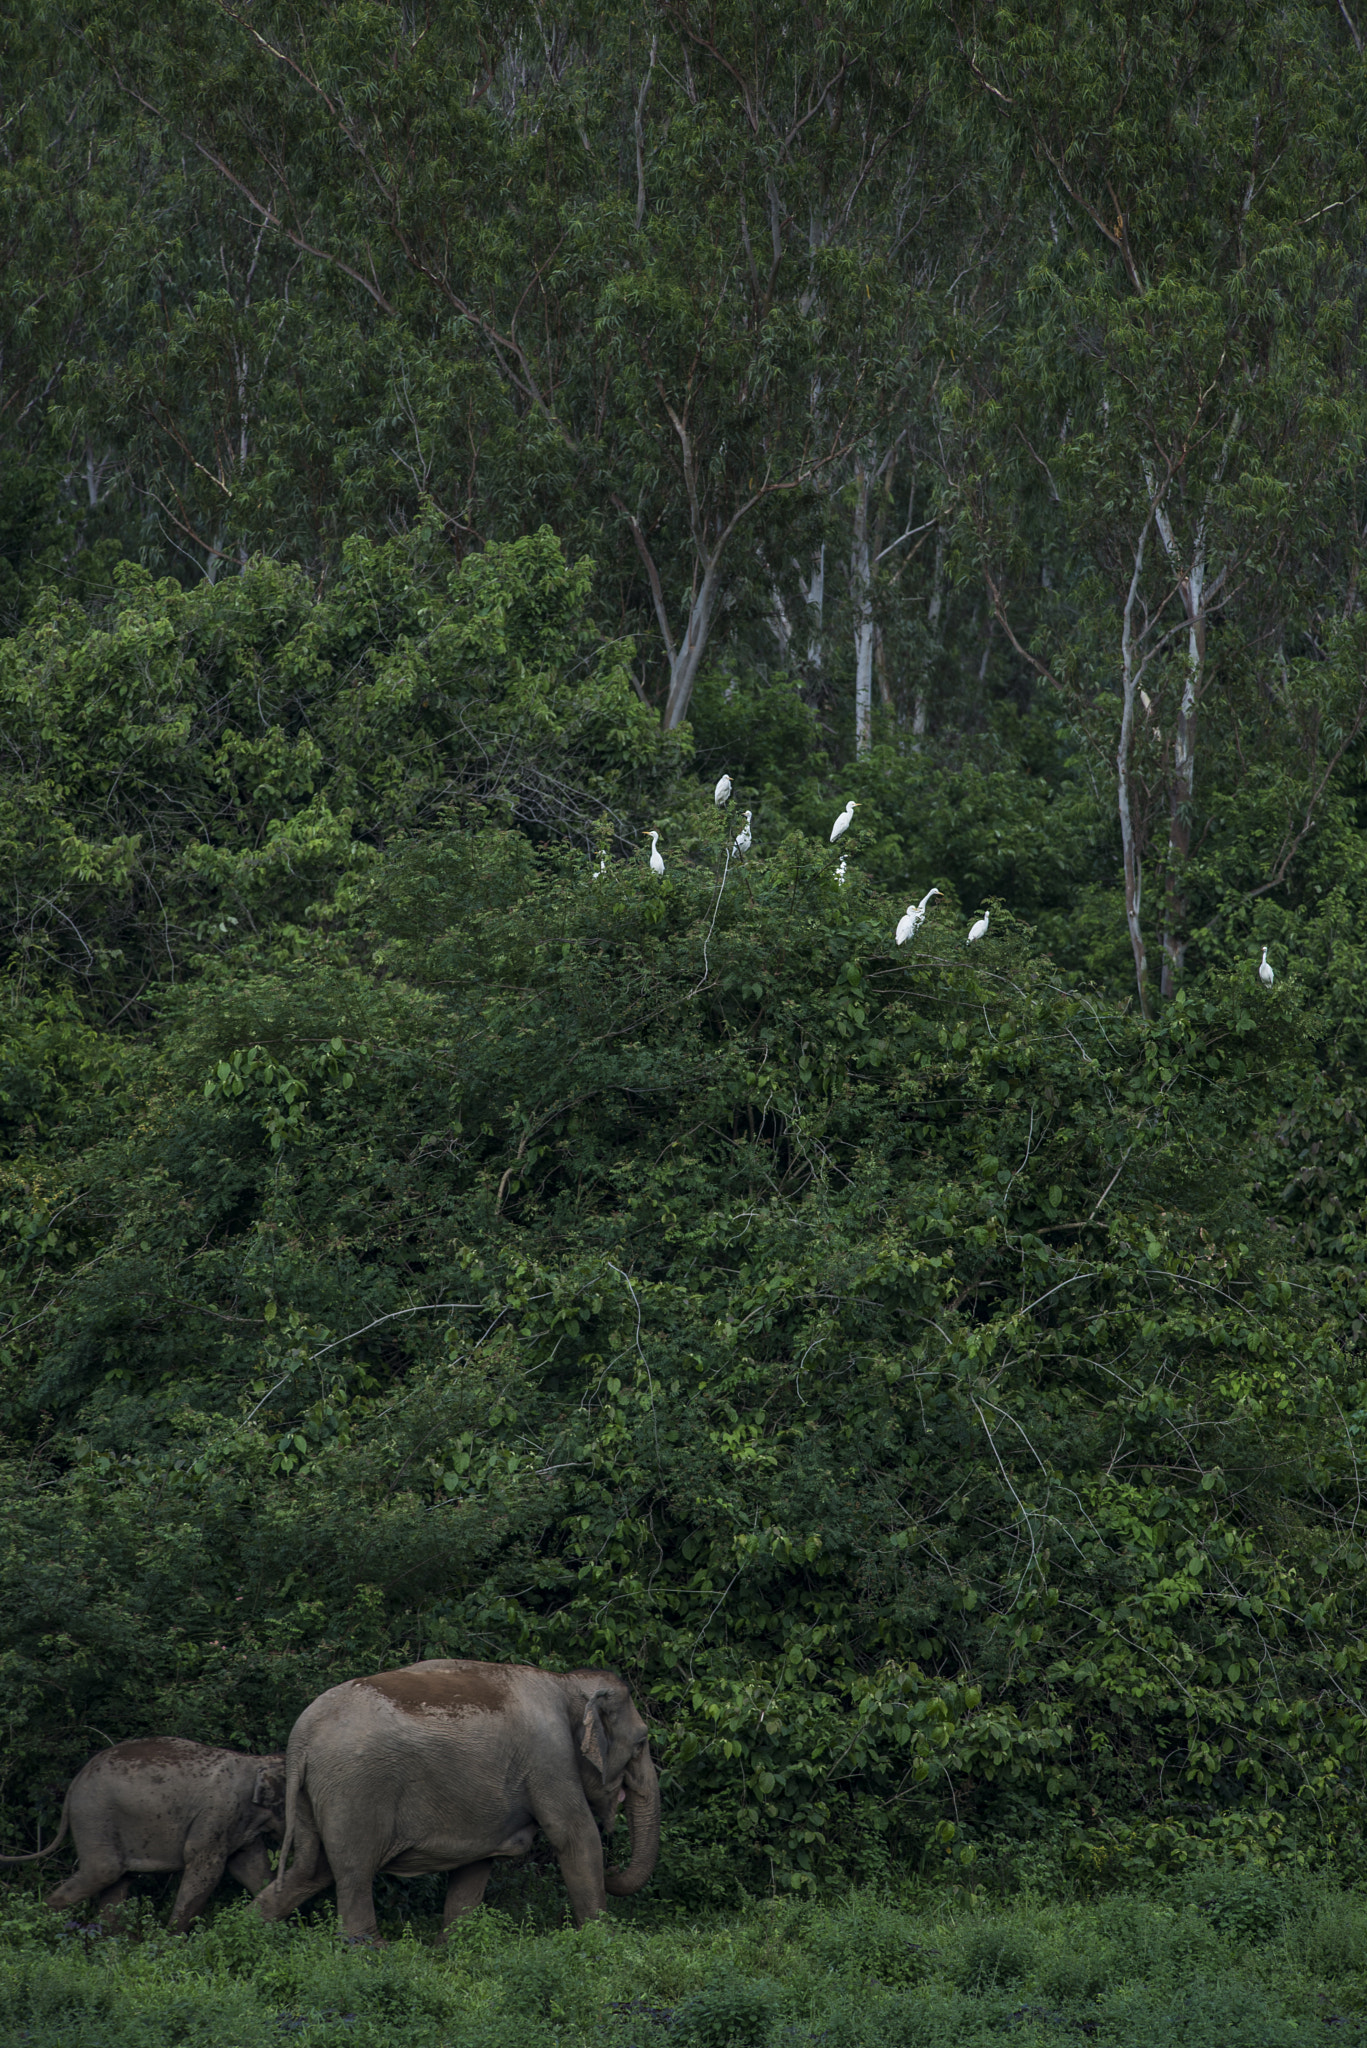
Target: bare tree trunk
(880,651)
(880,662)
(861,591)
(1129,677)
(640,136)
(1191,583)
(814,592)
(780,625)
(937,592)
(1196,593)
(686,660)
(1180,797)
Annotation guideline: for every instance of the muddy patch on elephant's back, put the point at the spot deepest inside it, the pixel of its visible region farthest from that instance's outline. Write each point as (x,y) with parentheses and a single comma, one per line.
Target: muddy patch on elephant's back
(481,1688)
(160,1749)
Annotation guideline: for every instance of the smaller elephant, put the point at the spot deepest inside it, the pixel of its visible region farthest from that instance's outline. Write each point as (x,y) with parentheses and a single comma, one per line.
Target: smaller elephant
(167,1804)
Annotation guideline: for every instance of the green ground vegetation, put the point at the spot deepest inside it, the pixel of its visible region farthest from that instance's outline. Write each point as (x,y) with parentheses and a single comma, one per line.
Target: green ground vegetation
(1234,1960)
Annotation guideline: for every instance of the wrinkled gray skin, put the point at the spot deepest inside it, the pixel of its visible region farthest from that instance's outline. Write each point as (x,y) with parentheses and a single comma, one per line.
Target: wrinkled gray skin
(166,1804)
(449,1765)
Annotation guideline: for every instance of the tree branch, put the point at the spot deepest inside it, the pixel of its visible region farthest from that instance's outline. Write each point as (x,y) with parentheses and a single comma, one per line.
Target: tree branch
(657,594)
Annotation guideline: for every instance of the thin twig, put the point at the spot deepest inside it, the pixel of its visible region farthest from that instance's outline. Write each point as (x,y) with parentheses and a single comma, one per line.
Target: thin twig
(423,1308)
(712,927)
(640,1353)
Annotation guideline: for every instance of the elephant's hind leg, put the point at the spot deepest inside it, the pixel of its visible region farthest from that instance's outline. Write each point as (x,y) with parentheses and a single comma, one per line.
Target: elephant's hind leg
(197,1887)
(356,1901)
(251,1867)
(465,1890)
(111,1899)
(309,1871)
(93,1876)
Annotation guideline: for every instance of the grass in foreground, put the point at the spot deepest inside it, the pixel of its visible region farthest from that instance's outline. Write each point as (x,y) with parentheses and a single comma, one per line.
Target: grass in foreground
(1232,1959)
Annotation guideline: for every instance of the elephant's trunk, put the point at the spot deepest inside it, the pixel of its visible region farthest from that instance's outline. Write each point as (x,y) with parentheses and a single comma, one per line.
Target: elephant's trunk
(643,1818)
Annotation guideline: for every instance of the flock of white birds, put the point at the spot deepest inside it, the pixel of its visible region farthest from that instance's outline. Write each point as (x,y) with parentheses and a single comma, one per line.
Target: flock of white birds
(912,918)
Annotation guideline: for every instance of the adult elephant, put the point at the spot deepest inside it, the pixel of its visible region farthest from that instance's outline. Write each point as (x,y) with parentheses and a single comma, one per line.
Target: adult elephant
(450,1765)
(168,1804)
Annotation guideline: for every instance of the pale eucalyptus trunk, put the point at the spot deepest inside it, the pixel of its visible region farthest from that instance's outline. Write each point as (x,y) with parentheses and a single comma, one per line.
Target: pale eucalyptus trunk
(1180,800)
(920,711)
(861,590)
(1129,680)
(686,659)
(1197,592)
(814,595)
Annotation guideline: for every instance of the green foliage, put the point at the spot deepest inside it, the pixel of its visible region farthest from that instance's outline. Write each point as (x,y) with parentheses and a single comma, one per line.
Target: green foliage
(731,2011)
(189,773)
(877,1354)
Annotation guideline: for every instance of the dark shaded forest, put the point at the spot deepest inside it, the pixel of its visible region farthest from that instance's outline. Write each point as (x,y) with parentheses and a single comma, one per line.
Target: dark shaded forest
(436,444)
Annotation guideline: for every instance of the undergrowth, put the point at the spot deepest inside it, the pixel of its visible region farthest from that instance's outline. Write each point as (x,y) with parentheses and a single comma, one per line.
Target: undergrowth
(1223,1958)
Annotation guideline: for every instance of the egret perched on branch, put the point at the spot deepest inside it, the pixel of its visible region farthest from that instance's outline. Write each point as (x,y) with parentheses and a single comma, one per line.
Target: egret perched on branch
(979,930)
(743,836)
(843,822)
(722,793)
(840,873)
(1265,974)
(915,917)
(602,866)
(657,859)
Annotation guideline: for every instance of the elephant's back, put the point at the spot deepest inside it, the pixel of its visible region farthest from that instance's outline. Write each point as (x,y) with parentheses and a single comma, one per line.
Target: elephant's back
(140,1797)
(455,1696)
(151,1771)
(386,1736)
(418,1705)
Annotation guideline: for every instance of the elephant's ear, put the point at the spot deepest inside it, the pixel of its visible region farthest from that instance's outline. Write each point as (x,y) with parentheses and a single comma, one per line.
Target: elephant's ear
(592,1742)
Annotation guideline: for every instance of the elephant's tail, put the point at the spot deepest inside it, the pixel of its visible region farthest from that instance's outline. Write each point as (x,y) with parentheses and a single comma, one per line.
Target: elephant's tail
(55,1843)
(296,1765)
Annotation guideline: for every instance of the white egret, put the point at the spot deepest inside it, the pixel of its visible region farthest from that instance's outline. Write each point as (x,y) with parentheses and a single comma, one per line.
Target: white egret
(1265,974)
(722,793)
(657,859)
(743,836)
(840,873)
(979,930)
(843,822)
(601,868)
(915,917)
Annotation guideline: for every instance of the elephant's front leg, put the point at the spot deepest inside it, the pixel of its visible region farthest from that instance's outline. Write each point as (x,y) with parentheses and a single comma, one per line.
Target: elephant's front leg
(465,1890)
(579,1849)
